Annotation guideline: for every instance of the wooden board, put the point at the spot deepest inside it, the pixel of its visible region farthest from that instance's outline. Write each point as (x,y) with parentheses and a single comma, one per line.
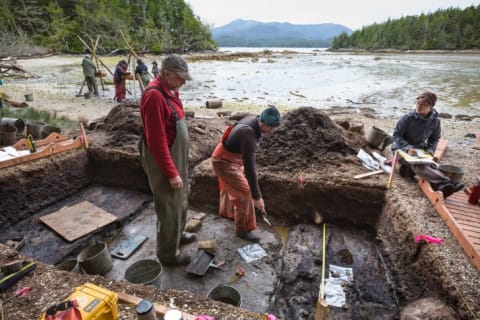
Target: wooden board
(159,308)
(461,217)
(76,221)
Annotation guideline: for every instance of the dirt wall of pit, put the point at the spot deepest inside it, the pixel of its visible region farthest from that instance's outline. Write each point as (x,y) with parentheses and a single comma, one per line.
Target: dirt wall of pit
(336,200)
(419,269)
(29,187)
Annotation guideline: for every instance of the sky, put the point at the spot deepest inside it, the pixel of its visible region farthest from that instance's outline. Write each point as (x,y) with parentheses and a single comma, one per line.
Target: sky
(350,13)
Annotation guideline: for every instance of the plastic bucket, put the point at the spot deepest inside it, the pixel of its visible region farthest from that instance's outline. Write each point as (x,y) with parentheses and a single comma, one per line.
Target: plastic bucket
(8,135)
(47,130)
(225,294)
(17,123)
(146,271)
(453,172)
(35,129)
(29,97)
(70,265)
(96,259)
(378,138)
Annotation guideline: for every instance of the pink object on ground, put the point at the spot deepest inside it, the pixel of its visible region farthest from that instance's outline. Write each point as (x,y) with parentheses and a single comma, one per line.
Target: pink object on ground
(429,239)
(271,317)
(204,317)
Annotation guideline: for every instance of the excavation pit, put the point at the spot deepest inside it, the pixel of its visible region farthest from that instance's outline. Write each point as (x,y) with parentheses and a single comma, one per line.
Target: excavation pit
(306,179)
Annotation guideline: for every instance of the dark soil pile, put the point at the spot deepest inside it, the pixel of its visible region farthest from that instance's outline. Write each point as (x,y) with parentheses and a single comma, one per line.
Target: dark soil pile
(122,127)
(307,139)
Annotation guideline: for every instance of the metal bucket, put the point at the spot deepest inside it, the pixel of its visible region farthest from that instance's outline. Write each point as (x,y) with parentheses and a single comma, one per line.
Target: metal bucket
(17,123)
(29,97)
(70,265)
(96,259)
(225,294)
(8,135)
(454,173)
(35,129)
(146,271)
(378,138)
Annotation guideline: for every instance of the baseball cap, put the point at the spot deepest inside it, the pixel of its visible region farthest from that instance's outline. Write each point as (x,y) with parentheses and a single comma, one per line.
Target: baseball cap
(175,63)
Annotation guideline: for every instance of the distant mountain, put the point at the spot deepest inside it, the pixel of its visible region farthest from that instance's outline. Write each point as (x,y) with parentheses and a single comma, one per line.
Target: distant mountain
(249,33)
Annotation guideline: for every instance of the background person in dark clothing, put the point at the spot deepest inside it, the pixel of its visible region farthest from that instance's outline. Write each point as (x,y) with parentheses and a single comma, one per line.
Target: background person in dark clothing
(155,69)
(89,73)
(142,70)
(119,81)
(235,166)
(420,129)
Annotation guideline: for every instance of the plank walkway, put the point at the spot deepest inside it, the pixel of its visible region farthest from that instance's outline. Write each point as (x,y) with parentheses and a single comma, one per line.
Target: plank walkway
(461,217)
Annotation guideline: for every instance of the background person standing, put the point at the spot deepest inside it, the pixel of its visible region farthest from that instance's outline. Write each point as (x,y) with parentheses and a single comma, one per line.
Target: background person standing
(89,74)
(142,70)
(119,81)
(164,154)
(155,69)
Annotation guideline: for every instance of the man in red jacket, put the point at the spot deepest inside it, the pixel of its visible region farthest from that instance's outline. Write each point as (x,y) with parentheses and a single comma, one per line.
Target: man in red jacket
(164,152)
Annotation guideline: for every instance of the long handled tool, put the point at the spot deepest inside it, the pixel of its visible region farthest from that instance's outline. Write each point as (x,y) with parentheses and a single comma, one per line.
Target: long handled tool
(321,310)
(394,164)
(81,89)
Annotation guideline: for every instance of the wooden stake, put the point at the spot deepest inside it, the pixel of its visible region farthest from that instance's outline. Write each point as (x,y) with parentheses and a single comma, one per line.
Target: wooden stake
(394,164)
(367,174)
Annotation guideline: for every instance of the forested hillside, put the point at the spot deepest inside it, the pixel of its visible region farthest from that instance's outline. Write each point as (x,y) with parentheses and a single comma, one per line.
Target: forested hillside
(450,29)
(149,25)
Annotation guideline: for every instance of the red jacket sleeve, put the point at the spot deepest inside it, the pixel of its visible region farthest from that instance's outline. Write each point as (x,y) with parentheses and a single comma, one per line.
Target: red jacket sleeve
(157,120)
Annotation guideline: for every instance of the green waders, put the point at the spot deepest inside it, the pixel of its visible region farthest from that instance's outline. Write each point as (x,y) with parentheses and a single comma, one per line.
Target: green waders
(170,205)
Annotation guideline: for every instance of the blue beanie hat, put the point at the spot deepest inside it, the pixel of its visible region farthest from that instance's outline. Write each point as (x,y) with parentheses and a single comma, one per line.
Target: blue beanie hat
(270,116)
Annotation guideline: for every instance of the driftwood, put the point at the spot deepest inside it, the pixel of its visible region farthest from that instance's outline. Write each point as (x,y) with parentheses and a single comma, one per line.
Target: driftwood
(16,104)
(10,66)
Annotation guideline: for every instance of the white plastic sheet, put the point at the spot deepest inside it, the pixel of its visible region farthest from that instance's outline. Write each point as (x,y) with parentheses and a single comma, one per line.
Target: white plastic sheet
(334,292)
(252,252)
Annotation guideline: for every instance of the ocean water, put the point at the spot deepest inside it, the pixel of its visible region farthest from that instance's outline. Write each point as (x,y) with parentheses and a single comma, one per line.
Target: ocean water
(296,77)
(291,78)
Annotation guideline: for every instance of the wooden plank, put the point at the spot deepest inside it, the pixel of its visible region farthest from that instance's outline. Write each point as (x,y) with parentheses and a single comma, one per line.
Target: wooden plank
(78,220)
(52,138)
(159,309)
(466,234)
(42,152)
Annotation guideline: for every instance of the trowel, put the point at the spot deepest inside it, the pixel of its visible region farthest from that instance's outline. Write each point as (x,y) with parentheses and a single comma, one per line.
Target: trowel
(264,216)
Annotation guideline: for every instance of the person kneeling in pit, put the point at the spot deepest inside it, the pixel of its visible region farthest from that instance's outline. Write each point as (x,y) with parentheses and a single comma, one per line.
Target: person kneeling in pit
(420,129)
